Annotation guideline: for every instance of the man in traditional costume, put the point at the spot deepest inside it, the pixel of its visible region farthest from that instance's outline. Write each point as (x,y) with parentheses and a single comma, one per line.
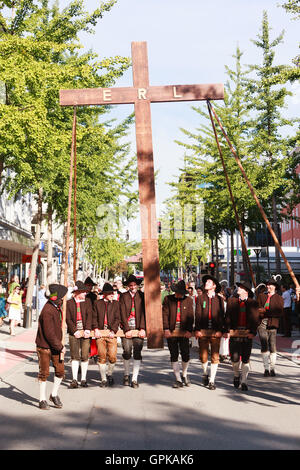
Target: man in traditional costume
(242,316)
(49,345)
(271,310)
(79,322)
(178,320)
(132,309)
(106,317)
(209,324)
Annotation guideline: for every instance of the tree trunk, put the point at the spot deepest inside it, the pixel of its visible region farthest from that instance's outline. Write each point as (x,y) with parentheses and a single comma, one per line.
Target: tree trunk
(62,273)
(276,230)
(232,258)
(50,247)
(34,262)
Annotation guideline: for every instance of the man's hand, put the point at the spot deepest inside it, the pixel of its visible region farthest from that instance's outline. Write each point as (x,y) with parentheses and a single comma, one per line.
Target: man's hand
(198,334)
(111,335)
(142,333)
(128,334)
(167,334)
(87,333)
(97,333)
(218,334)
(77,334)
(298,293)
(187,334)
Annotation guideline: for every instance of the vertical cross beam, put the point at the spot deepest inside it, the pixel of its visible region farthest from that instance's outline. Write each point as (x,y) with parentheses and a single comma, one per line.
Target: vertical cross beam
(147,199)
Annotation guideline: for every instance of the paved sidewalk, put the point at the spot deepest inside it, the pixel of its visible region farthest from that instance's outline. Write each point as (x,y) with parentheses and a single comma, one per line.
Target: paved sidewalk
(155,416)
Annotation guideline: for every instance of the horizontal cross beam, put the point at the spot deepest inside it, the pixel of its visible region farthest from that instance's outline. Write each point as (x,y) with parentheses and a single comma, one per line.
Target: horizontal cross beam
(129,95)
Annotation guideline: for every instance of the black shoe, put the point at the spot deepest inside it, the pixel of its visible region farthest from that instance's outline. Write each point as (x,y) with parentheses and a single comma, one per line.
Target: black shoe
(244,387)
(177,384)
(126,380)
(186,381)
(110,380)
(134,384)
(205,380)
(211,386)
(272,373)
(56,401)
(103,383)
(73,384)
(266,373)
(236,382)
(43,405)
(84,383)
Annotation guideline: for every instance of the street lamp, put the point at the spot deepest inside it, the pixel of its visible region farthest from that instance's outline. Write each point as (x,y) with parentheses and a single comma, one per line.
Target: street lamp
(257,252)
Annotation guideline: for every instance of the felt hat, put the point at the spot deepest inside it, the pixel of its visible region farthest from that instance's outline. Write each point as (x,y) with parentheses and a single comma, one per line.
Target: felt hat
(246,286)
(180,288)
(56,292)
(79,287)
(89,282)
(107,289)
(132,278)
(272,282)
(214,279)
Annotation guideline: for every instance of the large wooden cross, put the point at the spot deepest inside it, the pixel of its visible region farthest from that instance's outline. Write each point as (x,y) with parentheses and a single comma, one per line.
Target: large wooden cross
(142,95)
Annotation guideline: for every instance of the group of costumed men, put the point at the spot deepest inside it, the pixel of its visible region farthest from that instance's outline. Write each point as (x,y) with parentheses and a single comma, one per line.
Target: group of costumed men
(212,319)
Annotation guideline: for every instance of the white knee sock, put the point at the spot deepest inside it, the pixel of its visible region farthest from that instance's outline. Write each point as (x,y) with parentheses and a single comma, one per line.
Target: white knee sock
(75,367)
(213,371)
(176,370)
(102,369)
(43,386)
(136,369)
(57,382)
(184,368)
(205,367)
(110,368)
(265,358)
(273,357)
(245,372)
(236,369)
(84,368)
(126,366)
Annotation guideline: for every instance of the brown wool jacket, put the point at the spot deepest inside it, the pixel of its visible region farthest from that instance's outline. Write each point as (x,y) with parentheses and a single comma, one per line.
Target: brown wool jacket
(170,313)
(113,315)
(86,310)
(202,310)
(49,334)
(125,309)
(275,311)
(232,315)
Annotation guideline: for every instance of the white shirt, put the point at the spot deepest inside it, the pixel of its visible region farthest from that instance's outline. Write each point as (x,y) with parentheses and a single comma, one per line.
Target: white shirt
(287,300)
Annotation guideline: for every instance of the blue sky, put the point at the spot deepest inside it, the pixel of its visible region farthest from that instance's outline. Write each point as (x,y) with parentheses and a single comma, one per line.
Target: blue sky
(188,42)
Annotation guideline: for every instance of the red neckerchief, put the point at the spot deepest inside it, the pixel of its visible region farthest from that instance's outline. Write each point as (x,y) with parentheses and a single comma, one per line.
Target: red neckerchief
(267,304)
(242,313)
(132,311)
(178,317)
(105,316)
(79,316)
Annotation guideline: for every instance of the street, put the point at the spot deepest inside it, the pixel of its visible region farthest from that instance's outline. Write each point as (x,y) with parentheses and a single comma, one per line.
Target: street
(155,416)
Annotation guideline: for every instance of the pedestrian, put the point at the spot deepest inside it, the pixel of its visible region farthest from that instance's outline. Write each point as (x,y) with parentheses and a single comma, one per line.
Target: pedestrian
(132,311)
(117,293)
(79,318)
(287,310)
(178,319)
(163,291)
(49,345)
(242,316)
(106,317)
(209,324)
(271,310)
(15,307)
(119,283)
(3,311)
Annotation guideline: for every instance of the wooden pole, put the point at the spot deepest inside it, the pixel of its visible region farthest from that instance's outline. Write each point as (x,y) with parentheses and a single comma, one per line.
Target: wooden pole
(231,196)
(75,201)
(264,216)
(68,226)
